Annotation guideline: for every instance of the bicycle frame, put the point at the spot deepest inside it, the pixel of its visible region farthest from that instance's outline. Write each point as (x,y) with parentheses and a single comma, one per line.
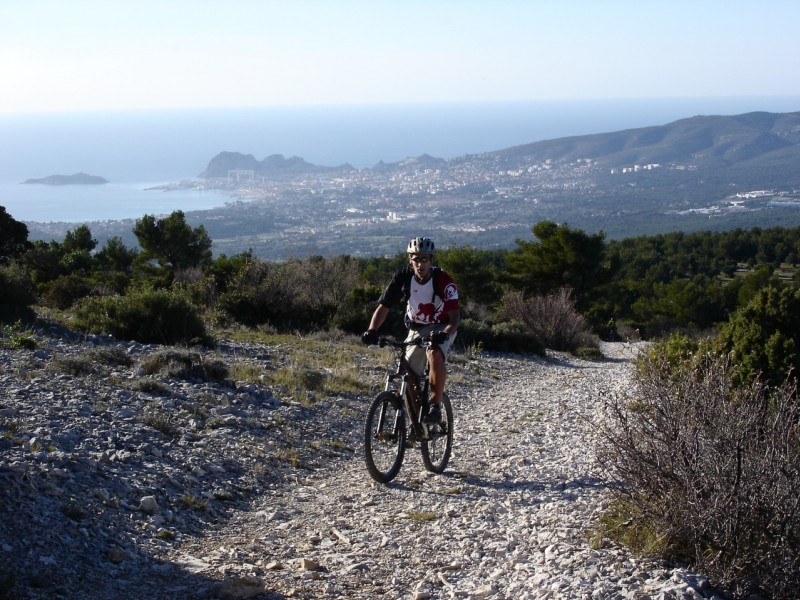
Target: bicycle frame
(413,389)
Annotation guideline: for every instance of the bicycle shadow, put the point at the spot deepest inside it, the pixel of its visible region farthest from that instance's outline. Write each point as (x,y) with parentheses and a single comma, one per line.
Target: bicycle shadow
(472,484)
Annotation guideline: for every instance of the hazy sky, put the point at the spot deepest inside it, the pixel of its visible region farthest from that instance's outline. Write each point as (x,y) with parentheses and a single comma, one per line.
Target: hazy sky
(122,54)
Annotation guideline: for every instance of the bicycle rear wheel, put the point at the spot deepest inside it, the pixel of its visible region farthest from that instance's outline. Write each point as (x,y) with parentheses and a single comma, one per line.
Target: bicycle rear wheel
(437,448)
(384,437)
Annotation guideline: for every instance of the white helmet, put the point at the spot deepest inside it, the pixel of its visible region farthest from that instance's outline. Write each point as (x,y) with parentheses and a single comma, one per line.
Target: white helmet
(420,245)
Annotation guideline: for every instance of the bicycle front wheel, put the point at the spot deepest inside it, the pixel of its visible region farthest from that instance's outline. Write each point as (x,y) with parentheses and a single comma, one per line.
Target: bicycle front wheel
(385,437)
(437,448)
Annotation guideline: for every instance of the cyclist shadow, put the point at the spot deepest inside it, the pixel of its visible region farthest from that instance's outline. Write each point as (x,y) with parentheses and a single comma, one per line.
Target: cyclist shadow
(568,489)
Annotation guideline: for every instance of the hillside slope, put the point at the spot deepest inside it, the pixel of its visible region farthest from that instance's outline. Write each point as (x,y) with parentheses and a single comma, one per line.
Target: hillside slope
(118,485)
(757,138)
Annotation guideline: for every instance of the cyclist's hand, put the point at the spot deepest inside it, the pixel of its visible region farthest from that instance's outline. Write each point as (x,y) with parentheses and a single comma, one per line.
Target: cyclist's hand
(370,337)
(439,337)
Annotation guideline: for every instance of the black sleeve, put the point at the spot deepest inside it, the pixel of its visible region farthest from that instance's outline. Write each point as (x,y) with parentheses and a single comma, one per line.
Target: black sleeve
(394,293)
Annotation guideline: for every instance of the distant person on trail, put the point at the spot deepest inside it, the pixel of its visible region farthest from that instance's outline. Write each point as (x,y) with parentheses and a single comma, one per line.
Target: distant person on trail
(431,309)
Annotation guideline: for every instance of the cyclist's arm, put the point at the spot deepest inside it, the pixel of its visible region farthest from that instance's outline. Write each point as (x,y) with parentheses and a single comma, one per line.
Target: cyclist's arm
(454,319)
(378,317)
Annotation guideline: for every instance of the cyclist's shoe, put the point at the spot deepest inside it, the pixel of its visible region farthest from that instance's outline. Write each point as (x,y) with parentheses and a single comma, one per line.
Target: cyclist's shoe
(434,415)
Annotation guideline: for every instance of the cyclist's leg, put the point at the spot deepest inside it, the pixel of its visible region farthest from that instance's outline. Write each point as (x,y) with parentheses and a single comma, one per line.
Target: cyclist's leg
(414,354)
(437,357)
(438,373)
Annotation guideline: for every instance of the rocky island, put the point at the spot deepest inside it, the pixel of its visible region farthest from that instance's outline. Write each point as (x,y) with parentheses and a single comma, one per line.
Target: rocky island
(76,179)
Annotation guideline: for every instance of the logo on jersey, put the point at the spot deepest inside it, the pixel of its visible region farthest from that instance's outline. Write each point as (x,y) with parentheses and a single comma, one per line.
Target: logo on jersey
(426,312)
(450,292)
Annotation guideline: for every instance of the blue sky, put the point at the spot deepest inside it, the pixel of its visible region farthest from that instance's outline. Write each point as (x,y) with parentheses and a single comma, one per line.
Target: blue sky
(141,54)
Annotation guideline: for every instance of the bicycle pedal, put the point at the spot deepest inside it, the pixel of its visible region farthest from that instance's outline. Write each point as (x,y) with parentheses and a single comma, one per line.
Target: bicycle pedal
(435,428)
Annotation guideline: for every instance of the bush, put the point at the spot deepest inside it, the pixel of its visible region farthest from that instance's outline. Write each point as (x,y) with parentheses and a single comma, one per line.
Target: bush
(711,469)
(553,319)
(147,316)
(17,295)
(764,336)
(502,337)
(65,290)
(261,293)
(184,364)
(353,315)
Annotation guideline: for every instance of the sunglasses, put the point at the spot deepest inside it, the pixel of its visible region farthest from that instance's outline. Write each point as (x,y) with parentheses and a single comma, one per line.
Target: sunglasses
(421,259)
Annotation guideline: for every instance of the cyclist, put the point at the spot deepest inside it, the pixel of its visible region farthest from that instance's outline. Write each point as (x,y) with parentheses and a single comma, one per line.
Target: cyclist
(431,299)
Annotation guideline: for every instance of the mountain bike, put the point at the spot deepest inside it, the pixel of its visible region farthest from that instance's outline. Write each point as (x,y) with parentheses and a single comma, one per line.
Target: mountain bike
(395,419)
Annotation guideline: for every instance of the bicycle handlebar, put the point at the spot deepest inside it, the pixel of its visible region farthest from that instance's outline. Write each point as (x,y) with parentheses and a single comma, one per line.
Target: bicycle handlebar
(384,341)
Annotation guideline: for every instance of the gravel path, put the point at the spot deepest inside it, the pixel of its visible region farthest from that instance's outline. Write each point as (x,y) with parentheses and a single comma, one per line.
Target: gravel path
(264,498)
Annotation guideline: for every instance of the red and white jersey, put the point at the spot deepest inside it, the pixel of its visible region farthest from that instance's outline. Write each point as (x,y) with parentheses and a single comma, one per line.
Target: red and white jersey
(426,305)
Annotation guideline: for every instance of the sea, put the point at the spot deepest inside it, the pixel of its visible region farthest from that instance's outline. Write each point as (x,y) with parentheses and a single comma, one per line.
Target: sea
(139,150)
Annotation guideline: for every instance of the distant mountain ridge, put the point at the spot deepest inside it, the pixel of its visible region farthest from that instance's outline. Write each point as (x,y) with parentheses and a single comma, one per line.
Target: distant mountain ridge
(755,139)
(275,164)
(751,139)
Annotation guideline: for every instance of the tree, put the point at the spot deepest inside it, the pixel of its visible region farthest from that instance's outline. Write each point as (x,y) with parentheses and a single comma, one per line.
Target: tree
(563,257)
(79,239)
(474,271)
(115,256)
(172,242)
(75,252)
(13,236)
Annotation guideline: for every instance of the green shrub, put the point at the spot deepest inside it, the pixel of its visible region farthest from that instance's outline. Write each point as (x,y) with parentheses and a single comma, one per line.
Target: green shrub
(65,290)
(262,294)
(17,295)
(17,336)
(706,470)
(502,337)
(678,350)
(353,315)
(147,316)
(764,336)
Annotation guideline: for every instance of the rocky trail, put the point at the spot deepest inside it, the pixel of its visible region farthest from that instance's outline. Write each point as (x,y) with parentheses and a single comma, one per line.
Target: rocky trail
(119,484)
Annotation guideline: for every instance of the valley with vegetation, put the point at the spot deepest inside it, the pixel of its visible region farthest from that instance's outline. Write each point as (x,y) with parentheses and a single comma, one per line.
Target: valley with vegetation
(705,173)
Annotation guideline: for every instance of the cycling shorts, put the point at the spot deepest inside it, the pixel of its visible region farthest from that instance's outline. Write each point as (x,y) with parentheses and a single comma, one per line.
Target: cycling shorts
(416,355)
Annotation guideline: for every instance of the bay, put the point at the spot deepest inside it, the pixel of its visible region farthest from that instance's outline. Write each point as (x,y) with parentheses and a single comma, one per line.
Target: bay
(139,149)
(108,202)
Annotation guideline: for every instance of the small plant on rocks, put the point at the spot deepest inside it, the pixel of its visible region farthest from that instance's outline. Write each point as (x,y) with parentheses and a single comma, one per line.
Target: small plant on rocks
(76,366)
(17,337)
(161,421)
(111,356)
(184,364)
(193,503)
(421,516)
(151,386)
